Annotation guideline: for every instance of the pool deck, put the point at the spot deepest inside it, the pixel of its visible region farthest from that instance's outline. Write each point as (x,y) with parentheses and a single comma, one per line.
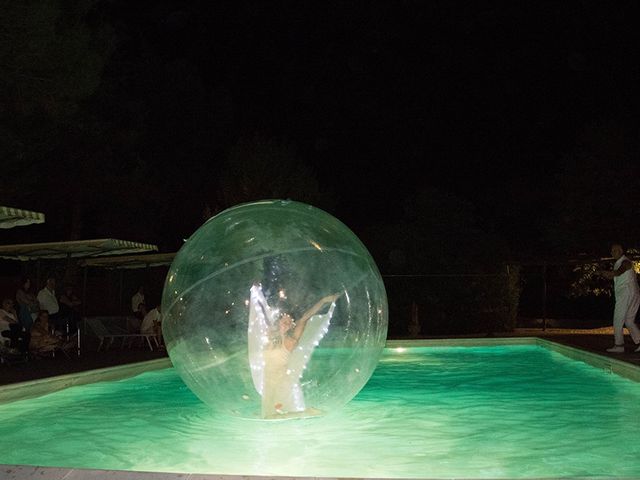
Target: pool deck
(594,341)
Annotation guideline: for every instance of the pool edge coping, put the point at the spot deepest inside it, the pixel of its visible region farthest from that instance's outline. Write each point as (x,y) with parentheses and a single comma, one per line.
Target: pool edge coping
(34,388)
(612,365)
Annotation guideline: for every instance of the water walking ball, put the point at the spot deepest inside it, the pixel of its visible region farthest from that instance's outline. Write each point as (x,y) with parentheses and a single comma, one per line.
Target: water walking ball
(274,310)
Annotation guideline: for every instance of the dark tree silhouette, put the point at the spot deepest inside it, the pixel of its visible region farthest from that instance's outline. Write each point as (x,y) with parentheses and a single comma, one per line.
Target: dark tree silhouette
(265,168)
(595,194)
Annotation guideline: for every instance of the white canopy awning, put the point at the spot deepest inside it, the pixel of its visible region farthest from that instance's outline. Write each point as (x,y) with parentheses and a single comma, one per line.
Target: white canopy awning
(73,249)
(15,217)
(130,261)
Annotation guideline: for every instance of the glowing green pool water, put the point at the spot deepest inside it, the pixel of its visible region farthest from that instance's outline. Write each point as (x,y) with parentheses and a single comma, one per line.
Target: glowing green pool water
(474,412)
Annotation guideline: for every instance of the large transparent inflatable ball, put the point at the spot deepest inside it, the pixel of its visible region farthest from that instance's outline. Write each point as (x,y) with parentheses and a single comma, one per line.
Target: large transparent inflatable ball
(274,310)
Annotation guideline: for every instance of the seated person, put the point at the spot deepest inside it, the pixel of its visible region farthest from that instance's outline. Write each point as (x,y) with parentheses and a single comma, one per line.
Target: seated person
(12,333)
(152,324)
(70,308)
(136,301)
(28,306)
(43,341)
(7,318)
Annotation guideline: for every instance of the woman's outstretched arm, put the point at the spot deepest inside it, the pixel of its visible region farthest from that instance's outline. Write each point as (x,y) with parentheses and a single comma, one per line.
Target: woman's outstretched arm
(301,323)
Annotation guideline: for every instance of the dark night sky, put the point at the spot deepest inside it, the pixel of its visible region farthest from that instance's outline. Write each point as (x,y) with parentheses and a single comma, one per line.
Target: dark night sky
(375,92)
(382,99)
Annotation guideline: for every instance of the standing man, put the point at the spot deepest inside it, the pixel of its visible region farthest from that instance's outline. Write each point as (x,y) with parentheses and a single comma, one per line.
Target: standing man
(627,299)
(49,302)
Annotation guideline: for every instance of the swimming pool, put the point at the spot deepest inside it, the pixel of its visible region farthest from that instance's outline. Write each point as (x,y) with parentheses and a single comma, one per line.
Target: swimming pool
(431,410)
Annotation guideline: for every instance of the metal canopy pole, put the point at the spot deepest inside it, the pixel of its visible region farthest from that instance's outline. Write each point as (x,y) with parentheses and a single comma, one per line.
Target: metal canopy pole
(544,296)
(84,291)
(38,285)
(120,293)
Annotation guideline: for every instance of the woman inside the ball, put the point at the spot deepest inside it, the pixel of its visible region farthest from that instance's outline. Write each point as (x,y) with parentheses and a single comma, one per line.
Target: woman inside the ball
(285,354)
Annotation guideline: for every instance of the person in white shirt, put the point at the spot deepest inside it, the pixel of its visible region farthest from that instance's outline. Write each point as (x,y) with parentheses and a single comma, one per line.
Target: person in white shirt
(627,296)
(49,302)
(47,297)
